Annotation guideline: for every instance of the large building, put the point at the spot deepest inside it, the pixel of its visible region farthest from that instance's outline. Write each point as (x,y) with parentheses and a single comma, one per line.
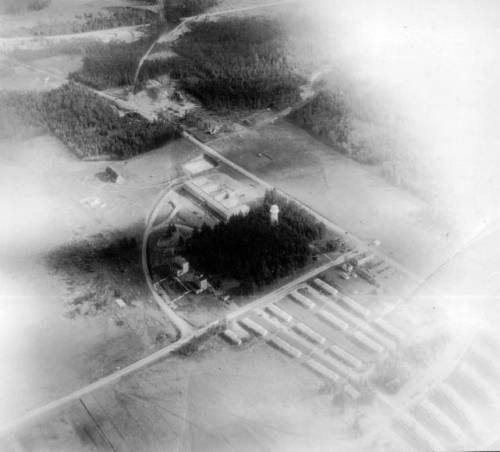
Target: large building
(221,194)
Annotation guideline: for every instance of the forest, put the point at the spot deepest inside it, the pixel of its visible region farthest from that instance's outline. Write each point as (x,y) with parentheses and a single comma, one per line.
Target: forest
(361,127)
(232,62)
(177,9)
(87,124)
(112,64)
(251,249)
(107,65)
(326,116)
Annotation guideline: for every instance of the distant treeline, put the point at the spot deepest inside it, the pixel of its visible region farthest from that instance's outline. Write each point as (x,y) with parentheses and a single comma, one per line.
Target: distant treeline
(232,62)
(251,249)
(354,128)
(326,116)
(107,65)
(177,9)
(20,6)
(111,18)
(83,121)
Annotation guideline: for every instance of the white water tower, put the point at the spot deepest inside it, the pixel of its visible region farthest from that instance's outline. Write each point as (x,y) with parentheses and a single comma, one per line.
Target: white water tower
(274,213)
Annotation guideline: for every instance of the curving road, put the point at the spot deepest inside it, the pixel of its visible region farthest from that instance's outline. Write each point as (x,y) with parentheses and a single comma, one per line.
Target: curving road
(183,328)
(182,27)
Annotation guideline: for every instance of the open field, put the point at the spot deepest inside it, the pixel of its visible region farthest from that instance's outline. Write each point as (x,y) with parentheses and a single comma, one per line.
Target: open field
(57,12)
(230,398)
(236,397)
(327,363)
(40,75)
(125,34)
(58,218)
(151,407)
(354,196)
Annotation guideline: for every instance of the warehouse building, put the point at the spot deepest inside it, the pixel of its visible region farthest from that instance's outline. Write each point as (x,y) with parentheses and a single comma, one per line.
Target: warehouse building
(221,194)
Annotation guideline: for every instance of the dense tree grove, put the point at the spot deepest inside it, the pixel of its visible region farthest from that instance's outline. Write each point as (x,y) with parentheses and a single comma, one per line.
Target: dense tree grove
(84,122)
(235,62)
(112,64)
(251,249)
(176,9)
(326,116)
(107,65)
(88,125)
(232,62)
(340,121)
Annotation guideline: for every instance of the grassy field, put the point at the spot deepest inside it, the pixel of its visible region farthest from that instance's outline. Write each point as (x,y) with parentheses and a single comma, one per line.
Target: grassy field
(354,196)
(57,13)
(57,332)
(220,399)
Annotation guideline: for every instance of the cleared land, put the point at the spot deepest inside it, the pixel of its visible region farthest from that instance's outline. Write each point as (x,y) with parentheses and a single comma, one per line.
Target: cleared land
(40,75)
(232,397)
(53,204)
(354,196)
(56,13)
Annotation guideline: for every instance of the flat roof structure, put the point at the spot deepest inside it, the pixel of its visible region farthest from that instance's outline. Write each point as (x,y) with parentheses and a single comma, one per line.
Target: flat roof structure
(222,194)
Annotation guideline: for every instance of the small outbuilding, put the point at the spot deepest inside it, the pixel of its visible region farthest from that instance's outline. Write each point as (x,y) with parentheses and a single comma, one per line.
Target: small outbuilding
(180,266)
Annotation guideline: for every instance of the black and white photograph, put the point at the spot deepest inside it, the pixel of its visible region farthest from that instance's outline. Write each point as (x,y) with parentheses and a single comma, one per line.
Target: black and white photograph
(249,225)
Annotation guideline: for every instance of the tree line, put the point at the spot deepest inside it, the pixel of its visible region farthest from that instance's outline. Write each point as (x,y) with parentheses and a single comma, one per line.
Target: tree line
(112,64)
(232,62)
(107,65)
(111,17)
(177,9)
(87,124)
(353,126)
(251,249)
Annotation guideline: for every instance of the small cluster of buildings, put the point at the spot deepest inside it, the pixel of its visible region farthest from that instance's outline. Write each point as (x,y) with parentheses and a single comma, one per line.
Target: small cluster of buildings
(179,268)
(221,195)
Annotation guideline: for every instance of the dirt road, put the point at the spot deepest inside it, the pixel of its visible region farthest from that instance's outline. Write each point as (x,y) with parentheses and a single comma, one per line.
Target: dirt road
(187,336)
(359,244)
(183,27)
(183,328)
(127,34)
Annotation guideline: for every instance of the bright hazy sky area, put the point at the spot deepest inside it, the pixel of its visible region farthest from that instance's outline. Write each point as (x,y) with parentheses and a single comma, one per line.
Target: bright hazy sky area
(441,61)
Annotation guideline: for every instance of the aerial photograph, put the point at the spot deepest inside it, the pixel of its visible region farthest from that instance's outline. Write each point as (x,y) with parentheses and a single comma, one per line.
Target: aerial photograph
(249,225)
